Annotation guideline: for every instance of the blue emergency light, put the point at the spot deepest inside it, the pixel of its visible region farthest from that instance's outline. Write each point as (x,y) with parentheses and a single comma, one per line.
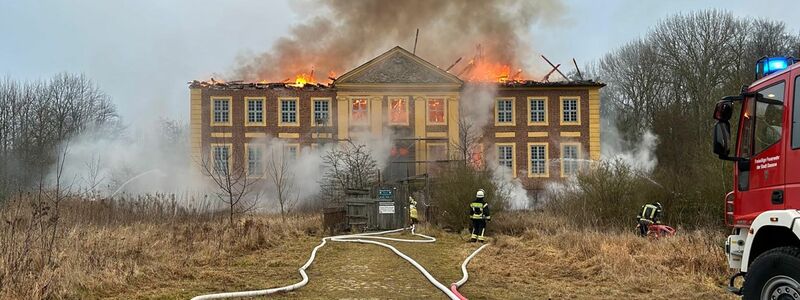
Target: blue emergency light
(769,65)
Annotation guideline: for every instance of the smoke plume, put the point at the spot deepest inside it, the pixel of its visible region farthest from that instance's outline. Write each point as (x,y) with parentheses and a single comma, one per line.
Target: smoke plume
(338,35)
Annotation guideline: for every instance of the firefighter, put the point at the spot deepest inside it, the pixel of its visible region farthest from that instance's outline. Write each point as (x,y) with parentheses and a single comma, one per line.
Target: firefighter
(479,215)
(648,215)
(412,211)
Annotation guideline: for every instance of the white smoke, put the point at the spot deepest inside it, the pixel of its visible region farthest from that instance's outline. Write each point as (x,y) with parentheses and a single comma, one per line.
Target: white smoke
(153,160)
(156,160)
(639,155)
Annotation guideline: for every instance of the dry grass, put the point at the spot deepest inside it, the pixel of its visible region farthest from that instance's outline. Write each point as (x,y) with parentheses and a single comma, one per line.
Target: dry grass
(534,256)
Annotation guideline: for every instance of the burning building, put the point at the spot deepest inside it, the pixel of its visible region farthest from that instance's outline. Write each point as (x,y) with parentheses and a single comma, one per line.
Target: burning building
(538,130)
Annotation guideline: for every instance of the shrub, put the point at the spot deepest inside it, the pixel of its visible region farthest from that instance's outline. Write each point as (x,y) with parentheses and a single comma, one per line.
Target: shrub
(453,190)
(608,194)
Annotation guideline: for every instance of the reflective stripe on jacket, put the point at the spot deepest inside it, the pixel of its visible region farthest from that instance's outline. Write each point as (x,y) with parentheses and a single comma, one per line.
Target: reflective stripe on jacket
(412,211)
(479,210)
(649,212)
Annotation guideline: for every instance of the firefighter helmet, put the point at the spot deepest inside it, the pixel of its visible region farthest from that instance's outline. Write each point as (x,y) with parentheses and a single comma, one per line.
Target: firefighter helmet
(480,194)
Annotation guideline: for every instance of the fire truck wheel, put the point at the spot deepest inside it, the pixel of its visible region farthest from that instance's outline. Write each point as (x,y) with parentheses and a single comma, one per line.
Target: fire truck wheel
(774,274)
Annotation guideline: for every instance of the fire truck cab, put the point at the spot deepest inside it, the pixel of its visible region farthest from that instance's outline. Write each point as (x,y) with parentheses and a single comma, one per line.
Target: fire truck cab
(763,208)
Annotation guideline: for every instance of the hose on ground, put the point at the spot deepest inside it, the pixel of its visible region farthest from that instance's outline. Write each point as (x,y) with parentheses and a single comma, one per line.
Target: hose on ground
(454,287)
(364,238)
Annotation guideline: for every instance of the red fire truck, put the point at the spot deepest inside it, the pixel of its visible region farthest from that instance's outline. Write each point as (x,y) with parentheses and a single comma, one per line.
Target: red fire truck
(764,207)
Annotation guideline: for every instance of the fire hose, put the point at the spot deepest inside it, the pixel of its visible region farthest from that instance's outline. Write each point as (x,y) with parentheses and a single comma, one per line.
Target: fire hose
(454,287)
(363,238)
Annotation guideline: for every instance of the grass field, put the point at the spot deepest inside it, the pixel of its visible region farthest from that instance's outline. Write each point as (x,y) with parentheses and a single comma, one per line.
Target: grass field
(532,256)
(534,265)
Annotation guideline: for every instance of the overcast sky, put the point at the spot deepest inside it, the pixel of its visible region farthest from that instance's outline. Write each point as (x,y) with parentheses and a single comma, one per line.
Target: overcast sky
(143,52)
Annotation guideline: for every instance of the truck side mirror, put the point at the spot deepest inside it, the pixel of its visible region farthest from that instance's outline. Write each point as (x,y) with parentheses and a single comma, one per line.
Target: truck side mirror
(723,111)
(722,136)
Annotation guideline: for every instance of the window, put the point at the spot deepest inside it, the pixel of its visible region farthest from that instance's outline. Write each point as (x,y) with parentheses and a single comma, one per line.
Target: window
(504,111)
(437,152)
(398,111)
(570,111)
(359,114)
(291,151)
(796,115)
(255,111)
(220,155)
(570,156)
(436,111)
(537,111)
(255,156)
(221,112)
(769,118)
(322,111)
(505,156)
(537,156)
(288,112)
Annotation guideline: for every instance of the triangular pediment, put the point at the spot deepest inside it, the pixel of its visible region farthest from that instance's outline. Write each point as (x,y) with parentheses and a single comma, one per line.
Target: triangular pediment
(397,66)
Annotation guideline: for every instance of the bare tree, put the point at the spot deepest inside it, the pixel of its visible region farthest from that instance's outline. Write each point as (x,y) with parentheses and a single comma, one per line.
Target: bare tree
(234,186)
(348,166)
(282,177)
(468,145)
(36,117)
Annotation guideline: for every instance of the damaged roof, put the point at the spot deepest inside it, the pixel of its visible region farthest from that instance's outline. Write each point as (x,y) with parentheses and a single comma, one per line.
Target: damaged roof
(240,85)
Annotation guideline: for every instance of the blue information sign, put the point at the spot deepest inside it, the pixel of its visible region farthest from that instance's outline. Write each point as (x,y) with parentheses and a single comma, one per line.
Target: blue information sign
(385,194)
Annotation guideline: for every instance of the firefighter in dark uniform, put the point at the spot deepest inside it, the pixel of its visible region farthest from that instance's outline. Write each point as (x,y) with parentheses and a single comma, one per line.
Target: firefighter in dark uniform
(649,214)
(479,214)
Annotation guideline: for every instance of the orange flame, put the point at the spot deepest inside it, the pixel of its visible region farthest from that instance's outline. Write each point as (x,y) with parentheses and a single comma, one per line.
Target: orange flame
(302,79)
(484,71)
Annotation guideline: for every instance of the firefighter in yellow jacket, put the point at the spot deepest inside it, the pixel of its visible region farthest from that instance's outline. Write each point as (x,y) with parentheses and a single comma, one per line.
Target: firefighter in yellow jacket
(412,211)
(479,214)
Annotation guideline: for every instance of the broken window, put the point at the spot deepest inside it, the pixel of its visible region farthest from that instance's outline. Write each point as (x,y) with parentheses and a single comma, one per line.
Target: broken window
(569,159)
(222,109)
(398,111)
(505,111)
(288,111)
(220,154)
(538,110)
(436,110)
(538,159)
(254,160)
(255,111)
(569,110)
(322,111)
(505,156)
(360,110)
(476,156)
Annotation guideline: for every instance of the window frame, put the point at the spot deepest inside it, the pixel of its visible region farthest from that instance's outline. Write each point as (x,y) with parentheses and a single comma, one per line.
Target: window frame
(546,110)
(513,156)
(561,100)
(578,153)
(513,111)
(212,148)
(247,147)
(405,100)
(367,109)
(546,173)
(329,121)
(247,122)
(428,101)
(296,122)
(228,99)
